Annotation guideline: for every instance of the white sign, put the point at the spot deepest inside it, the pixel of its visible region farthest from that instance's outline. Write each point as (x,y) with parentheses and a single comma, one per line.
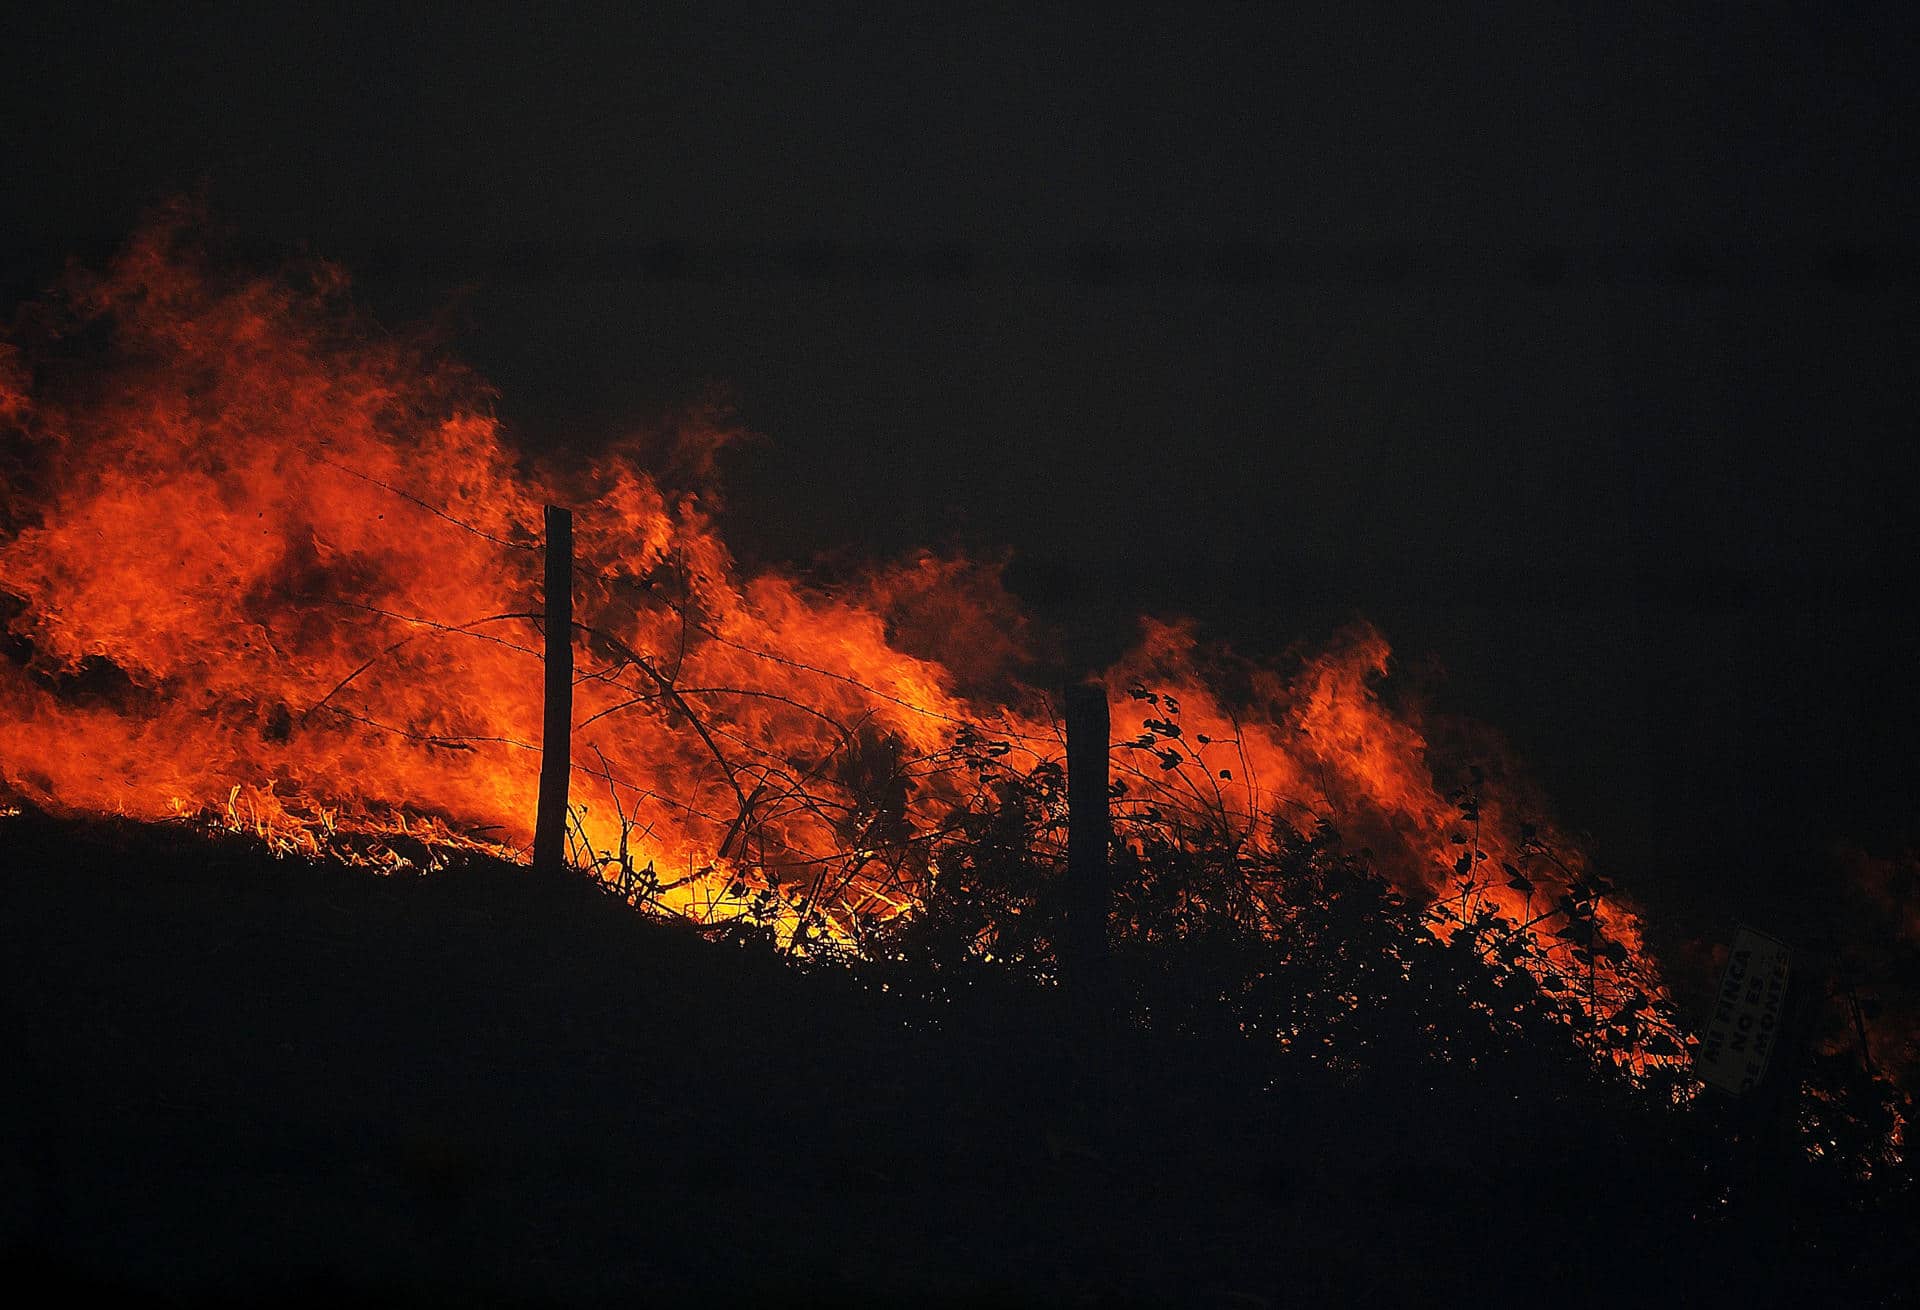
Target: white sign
(1747,1014)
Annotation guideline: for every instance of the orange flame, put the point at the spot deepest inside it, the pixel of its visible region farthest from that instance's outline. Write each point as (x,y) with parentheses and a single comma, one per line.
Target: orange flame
(261,562)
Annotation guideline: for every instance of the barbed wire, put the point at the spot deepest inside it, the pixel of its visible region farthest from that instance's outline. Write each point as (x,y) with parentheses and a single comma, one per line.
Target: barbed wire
(463,629)
(803,857)
(584,570)
(534,544)
(581,569)
(781,787)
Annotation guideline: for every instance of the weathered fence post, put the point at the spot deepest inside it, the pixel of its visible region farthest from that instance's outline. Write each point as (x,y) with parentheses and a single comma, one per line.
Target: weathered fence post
(1085,959)
(556,734)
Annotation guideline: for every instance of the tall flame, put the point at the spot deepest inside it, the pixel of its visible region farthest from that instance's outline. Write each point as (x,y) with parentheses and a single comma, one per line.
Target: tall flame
(260,560)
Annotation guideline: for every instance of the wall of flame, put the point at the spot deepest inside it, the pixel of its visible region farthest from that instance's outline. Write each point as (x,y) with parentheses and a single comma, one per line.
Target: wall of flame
(264,561)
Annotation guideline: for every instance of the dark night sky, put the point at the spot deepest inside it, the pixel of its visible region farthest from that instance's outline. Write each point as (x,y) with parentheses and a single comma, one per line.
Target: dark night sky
(1575,351)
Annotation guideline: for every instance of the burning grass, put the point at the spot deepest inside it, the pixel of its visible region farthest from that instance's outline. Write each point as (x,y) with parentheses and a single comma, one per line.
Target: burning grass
(262,561)
(266,564)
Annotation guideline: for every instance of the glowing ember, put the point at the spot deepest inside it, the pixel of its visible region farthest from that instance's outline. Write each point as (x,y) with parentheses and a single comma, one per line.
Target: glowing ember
(260,563)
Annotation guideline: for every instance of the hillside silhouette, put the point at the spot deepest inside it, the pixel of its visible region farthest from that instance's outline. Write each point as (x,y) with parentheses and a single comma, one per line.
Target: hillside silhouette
(239,1077)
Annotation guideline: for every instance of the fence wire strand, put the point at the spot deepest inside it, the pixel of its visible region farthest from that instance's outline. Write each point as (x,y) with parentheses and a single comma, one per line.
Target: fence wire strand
(780,785)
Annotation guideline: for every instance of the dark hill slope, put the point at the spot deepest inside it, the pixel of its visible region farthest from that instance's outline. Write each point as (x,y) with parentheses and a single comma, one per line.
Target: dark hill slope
(232,1076)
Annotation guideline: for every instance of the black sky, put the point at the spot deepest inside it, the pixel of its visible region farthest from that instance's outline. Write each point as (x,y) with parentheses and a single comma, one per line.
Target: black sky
(1574,349)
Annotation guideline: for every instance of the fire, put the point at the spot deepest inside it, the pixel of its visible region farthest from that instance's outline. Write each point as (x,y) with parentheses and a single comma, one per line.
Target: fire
(261,562)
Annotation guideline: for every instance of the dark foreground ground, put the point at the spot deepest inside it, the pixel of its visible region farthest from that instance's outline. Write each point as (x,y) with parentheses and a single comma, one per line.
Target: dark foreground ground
(231,1078)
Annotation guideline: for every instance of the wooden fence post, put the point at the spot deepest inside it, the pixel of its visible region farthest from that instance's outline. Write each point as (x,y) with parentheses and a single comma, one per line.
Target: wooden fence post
(1088,830)
(556,735)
